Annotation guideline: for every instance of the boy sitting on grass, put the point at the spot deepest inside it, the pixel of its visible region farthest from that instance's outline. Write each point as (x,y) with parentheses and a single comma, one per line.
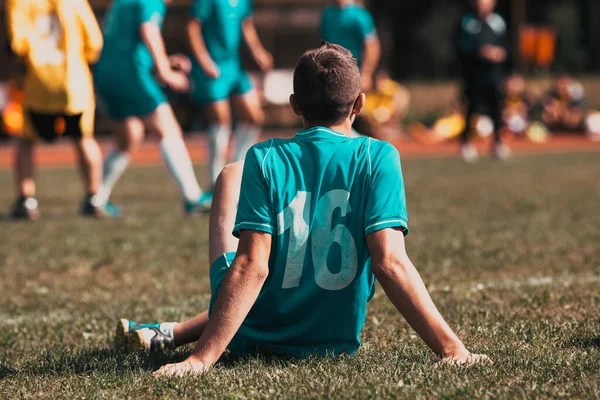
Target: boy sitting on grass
(319,218)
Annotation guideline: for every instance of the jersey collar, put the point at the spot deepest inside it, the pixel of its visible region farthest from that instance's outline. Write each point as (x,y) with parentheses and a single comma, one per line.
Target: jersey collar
(319,131)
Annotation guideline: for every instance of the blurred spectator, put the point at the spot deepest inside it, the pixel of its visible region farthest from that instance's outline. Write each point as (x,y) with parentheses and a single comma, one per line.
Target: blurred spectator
(518,104)
(564,107)
(482,44)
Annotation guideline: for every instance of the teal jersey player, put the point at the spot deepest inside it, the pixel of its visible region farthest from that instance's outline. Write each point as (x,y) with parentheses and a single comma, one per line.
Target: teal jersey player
(350,26)
(218,79)
(124,75)
(133,62)
(319,194)
(319,217)
(221,22)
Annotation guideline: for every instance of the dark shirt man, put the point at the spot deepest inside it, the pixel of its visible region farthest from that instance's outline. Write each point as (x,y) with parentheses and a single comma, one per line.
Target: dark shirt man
(482,48)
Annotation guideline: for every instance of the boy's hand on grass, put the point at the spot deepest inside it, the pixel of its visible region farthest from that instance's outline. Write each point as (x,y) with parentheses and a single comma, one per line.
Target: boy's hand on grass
(464,359)
(186,367)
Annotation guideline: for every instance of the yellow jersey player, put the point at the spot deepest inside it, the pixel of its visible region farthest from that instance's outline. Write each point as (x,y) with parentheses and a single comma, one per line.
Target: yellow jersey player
(57,40)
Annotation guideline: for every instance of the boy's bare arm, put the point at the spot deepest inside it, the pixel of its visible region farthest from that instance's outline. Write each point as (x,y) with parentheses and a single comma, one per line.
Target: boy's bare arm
(263,58)
(238,293)
(405,288)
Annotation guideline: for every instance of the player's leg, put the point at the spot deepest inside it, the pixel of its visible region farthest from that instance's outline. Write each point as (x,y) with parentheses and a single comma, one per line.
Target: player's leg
(500,150)
(129,135)
(467,150)
(26,206)
(218,115)
(81,129)
(222,247)
(249,113)
(163,122)
(212,94)
(35,125)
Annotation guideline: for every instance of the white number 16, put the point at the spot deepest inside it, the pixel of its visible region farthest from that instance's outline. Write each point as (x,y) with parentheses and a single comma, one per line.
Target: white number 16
(295,217)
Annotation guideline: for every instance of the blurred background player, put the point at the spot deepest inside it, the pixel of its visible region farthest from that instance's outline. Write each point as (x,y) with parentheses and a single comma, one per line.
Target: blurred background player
(133,97)
(347,23)
(57,39)
(482,47)
(351,26)
(215,33)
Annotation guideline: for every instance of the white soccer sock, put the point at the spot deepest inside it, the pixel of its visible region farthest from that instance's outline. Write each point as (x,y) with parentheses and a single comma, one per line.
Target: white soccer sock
(218,140)
(114,165)
(245,137)
(168,328)
(178,161)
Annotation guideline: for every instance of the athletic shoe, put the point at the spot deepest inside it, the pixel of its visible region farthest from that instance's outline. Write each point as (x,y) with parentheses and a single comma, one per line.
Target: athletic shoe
(111,210)
(25,208)
(91,207)
(144,337)
(202,205)
(469,153)
(501,151)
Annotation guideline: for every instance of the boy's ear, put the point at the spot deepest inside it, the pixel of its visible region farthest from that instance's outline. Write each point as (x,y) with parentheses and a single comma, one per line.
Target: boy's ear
(294,105)
(359,104)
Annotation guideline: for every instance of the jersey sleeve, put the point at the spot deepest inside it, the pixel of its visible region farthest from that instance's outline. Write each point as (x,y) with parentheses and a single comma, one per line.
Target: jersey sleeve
(202,9)
(248,10)
(150,11)
(366,25)
(254,208)
(386,199)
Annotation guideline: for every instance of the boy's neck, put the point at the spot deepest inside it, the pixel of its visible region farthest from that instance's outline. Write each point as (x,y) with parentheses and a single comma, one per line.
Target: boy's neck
(344,127)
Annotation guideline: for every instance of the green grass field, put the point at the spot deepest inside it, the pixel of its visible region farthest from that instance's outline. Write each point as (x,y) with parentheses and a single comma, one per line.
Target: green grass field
(510,253)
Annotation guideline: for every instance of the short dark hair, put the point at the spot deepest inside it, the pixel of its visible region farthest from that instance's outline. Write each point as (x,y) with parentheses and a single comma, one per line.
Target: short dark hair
(326,84)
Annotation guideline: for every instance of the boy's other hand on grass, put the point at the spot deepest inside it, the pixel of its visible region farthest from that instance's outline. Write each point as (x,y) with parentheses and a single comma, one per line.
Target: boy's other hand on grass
(465,358)
(189,366)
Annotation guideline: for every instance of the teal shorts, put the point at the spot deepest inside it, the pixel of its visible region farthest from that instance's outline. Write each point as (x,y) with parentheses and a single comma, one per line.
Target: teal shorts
(234,80)
(127,92)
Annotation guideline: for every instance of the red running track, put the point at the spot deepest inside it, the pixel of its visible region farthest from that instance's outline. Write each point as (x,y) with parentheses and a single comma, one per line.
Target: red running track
(62,154)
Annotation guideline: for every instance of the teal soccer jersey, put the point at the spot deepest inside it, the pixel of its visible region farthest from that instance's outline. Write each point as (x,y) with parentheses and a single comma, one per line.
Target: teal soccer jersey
(124,74)
(349,26)
(319,194)
(222,25)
